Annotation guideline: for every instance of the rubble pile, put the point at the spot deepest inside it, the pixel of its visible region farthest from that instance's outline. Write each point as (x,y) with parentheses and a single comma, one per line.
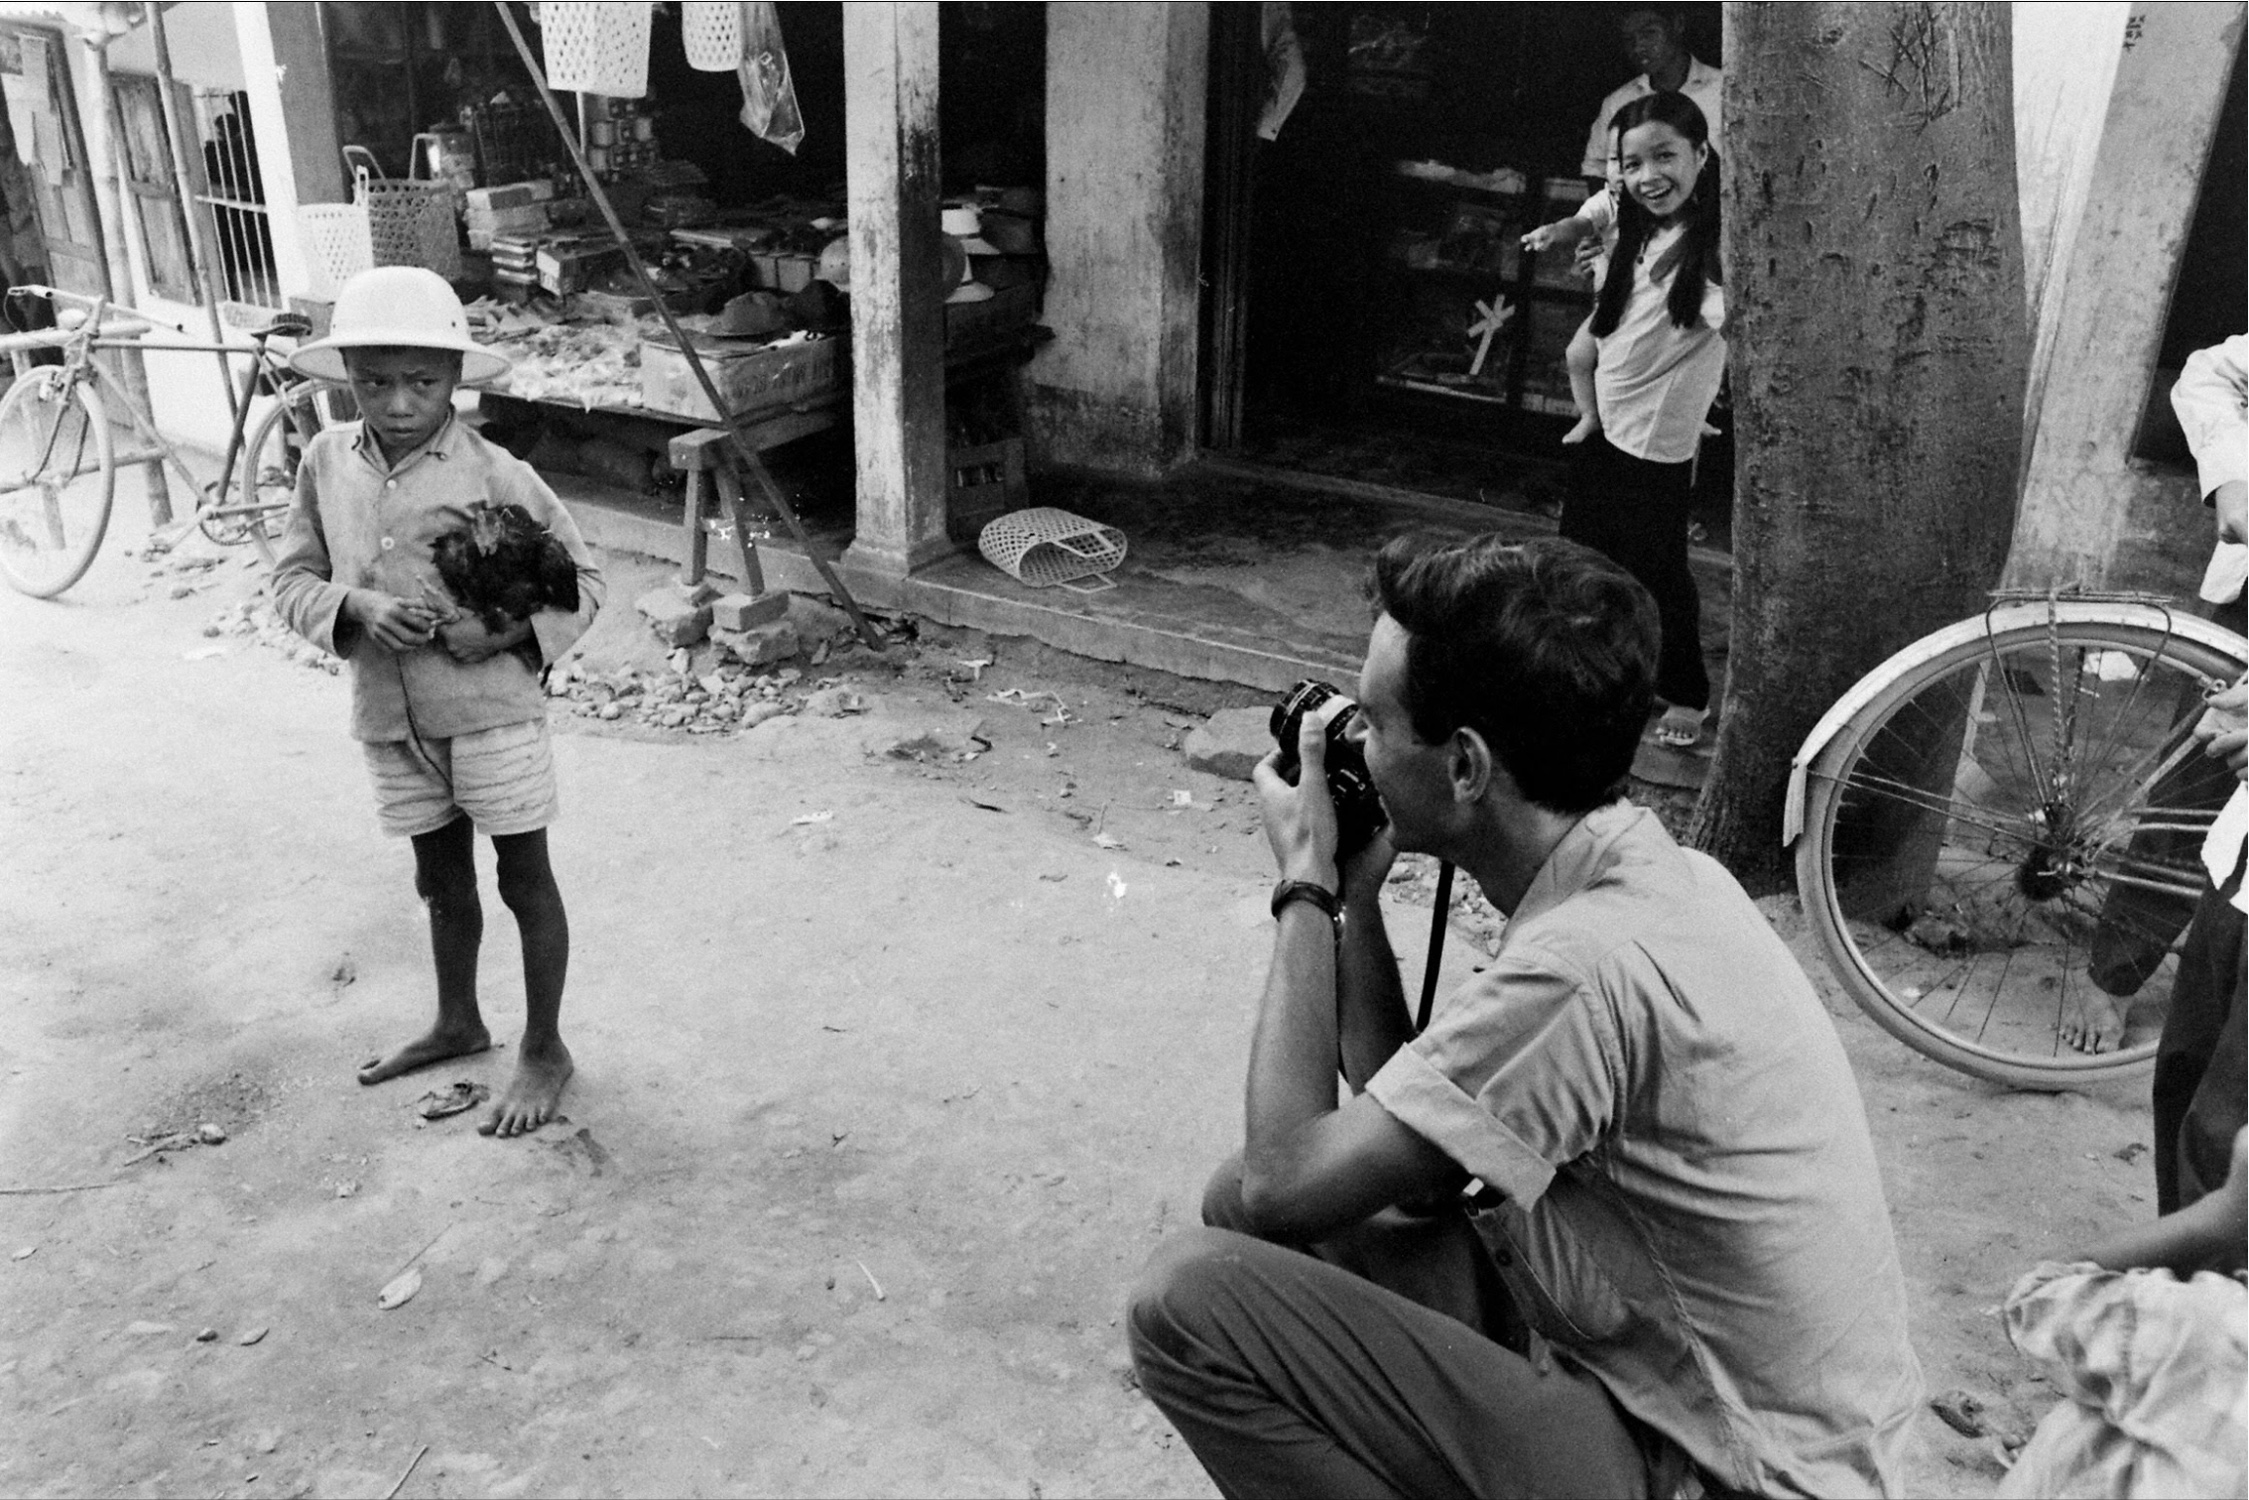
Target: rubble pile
(1413,880)
(718,700)
(256,619)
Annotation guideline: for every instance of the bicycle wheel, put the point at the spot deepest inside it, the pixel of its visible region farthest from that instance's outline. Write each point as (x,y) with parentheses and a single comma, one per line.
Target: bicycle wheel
(2005,838)
(57,475)
(268,480)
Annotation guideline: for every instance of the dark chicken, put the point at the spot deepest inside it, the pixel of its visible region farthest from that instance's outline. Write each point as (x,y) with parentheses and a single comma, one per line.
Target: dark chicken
(504,566)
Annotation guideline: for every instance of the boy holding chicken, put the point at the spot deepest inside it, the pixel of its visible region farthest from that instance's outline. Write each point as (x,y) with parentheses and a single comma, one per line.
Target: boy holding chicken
(446,701)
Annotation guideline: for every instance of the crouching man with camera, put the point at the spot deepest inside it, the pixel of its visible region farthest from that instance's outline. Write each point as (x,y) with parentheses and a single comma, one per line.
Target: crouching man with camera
(1611,1224)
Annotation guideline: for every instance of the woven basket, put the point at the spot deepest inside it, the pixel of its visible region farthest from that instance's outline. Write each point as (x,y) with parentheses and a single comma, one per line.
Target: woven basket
(713,34)
(411,224)
(338,244)
(597,49)
(1043,546)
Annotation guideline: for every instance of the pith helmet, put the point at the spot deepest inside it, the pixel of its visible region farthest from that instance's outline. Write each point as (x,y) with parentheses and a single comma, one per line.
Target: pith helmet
(398,307)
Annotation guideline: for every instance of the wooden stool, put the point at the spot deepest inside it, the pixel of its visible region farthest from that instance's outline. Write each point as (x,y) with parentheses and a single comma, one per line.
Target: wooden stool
(705,456)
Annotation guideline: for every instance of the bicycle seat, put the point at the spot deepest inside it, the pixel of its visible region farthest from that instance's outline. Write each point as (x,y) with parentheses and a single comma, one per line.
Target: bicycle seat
(282,325)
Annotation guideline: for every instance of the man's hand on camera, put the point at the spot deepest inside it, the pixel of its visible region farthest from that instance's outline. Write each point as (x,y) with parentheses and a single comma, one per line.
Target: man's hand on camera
(1300,819)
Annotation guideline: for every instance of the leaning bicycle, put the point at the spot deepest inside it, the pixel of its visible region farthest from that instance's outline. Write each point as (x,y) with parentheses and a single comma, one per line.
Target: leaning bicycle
(59,450)
(1998,832)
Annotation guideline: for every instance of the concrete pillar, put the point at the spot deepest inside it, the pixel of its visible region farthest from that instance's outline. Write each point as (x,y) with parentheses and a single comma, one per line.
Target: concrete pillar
(2091,510)
(1126,95)
(293,115)
(897,314)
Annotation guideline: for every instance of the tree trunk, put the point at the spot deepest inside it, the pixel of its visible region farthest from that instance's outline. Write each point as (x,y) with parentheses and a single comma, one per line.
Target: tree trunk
(1874,305)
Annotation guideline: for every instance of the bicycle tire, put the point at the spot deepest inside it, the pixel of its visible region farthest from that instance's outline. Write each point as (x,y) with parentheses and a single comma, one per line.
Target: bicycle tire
(2056,732)
(54,512)
(267,482)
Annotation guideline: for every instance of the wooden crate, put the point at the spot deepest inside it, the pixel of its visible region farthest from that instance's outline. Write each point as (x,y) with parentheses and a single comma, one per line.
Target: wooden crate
(757,380)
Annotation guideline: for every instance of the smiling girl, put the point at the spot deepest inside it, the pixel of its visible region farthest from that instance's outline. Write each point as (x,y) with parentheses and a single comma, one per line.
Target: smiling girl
(1661,356)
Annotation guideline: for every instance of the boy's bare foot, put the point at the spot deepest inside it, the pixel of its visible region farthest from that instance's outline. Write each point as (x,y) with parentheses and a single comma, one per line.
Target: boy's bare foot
(2094,1022)
(1585,428)
(435,1046)
(533,1094)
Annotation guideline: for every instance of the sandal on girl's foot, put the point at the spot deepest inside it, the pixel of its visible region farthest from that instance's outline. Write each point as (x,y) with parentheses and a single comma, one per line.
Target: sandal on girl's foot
(1681,728)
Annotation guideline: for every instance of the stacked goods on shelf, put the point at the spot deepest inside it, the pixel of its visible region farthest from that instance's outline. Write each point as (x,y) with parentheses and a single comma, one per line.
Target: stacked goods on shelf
(515,211)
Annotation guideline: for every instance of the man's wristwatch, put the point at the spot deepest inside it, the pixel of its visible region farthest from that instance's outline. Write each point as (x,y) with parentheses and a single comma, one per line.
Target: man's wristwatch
(1306,890)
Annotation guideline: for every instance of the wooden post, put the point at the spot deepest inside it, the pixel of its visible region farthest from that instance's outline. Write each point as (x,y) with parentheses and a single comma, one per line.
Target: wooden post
(117,271)
(897,308)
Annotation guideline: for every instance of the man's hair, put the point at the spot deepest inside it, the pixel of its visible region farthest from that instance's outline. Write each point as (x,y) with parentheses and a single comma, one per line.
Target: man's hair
(1545,648)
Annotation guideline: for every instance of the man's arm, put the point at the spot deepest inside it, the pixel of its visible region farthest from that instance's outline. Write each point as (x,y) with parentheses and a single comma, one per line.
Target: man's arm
(1373,1008)
(2210,1226)
(1309,1167)
(2211,399)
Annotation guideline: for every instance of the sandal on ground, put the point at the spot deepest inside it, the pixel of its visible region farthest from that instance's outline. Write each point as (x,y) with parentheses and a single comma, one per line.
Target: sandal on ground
(1681,728)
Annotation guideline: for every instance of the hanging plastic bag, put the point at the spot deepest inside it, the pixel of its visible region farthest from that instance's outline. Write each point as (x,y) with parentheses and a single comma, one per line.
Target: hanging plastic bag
(769,95)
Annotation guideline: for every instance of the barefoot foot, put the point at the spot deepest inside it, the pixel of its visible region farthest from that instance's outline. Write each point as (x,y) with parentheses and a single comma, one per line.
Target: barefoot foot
(2093,1023)
(435,1046)
(533,1094)
(1585,428)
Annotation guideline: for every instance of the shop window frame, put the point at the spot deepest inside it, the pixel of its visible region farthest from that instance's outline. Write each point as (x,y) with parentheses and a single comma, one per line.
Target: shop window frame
(159,211)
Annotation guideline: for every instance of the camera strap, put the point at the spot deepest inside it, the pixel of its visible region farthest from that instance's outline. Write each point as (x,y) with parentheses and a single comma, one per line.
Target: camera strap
(1436,945)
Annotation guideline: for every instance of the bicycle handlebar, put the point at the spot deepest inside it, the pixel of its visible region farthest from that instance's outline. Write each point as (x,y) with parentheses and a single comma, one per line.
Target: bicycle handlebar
(114,323)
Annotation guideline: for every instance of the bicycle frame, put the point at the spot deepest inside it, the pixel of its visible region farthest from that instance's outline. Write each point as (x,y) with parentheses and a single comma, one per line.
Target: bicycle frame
(100,332)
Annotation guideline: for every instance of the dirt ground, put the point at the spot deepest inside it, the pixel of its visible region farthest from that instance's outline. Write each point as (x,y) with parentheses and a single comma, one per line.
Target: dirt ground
(901,1037)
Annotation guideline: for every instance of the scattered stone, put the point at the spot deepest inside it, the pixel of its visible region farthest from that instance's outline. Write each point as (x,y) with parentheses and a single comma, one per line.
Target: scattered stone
(207,1336)
(255,1335)
(833,703)
(758,713)
(676,620)
(142,1328)
(25,1253)
(711,683)
(401,1289)
(609,711)
(1231,742)
(210,1135)
(1960,1411)
(747,611)
(759,645)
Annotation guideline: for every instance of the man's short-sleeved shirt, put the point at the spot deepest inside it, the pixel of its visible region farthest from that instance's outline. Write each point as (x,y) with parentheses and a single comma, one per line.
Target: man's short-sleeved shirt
(1704,85)
(1691,1206)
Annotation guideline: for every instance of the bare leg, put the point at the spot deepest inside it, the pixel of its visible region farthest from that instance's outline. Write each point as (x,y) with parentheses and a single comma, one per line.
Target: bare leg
(445,876)
(543,1065)
(1579,360)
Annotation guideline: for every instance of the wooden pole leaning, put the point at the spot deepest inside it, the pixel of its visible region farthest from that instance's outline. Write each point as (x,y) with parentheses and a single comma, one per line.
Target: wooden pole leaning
(746,454)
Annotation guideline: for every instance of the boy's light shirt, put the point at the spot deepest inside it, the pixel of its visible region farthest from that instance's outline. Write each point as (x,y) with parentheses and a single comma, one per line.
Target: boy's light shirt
(359,523)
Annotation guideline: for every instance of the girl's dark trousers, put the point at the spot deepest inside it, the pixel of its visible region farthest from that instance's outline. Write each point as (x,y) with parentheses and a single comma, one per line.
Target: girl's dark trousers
(1635,512)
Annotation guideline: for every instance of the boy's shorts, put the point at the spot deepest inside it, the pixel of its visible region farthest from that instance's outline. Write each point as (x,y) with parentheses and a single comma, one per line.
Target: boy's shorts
(502,778)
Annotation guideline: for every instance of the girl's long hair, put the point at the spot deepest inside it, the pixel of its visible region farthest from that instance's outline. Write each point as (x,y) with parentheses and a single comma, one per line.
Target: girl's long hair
(1696,254)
